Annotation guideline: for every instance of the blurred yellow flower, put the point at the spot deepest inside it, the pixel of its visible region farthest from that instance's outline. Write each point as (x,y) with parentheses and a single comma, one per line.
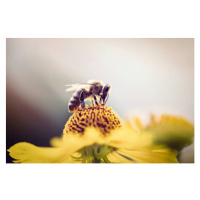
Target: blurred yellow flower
(171,131)
(96,135)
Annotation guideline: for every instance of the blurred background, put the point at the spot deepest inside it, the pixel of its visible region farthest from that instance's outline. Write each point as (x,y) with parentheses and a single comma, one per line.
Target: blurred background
(147,76)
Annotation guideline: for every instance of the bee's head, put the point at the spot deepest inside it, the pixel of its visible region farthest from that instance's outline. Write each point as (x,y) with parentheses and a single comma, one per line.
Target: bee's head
(106,89)
(105,92)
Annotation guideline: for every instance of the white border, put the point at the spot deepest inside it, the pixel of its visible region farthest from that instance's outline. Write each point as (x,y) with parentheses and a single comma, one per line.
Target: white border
(86,19)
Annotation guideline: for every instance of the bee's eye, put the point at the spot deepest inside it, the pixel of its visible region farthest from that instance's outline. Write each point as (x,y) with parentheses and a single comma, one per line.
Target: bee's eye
(106,88)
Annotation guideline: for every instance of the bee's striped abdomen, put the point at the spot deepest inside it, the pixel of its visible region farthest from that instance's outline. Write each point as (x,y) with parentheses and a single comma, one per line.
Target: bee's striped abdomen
(74,102)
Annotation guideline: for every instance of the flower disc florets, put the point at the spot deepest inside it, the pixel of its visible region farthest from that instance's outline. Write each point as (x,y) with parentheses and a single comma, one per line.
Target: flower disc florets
(103,118)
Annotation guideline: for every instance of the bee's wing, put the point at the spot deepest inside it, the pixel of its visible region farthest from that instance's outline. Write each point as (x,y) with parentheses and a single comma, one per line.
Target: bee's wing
(74,87)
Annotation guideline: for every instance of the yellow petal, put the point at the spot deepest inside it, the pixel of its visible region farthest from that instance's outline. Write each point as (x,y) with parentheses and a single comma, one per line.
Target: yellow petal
(127,138)
(145,156)
(155,155)
(57,142)
(114,157)
(28,153)
(138,124)
(25,152)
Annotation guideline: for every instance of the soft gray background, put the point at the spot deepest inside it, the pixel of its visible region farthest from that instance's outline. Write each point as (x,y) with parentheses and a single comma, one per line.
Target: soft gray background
(147,75)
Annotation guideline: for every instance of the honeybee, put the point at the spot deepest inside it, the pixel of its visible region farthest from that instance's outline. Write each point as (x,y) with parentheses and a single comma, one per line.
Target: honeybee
(92,90)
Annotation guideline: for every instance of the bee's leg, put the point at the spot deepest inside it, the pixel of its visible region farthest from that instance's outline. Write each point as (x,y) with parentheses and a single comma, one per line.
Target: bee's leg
(92,101)
(95,99)
(100,101)
(106,99)
(83,104)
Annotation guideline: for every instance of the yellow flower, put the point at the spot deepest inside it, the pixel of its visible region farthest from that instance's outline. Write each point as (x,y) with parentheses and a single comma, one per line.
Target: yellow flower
(95,135)
(171,131)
